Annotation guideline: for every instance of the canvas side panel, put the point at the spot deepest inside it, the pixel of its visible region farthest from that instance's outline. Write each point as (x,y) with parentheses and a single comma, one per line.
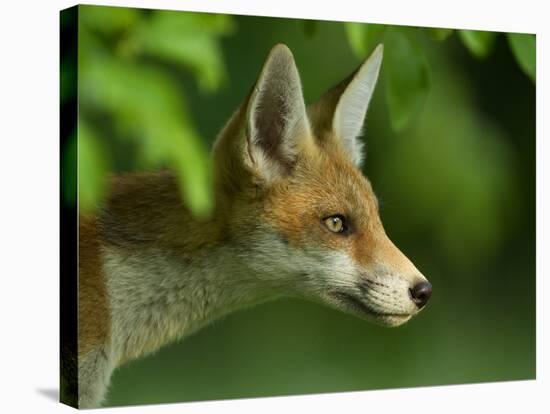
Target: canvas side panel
(68,207)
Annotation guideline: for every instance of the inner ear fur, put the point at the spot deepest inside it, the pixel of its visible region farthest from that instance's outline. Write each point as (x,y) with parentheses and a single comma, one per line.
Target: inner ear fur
(277,126)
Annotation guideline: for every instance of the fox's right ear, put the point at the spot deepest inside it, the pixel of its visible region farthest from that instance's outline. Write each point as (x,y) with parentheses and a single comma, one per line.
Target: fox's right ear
(277,127)
(341,111)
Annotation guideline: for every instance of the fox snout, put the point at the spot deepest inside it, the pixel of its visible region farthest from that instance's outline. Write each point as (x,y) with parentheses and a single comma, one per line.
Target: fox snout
(386,298)
(393,290)
(381,284)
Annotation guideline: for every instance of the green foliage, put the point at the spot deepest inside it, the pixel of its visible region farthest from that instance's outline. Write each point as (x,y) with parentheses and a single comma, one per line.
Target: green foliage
(93,164)
(406,68)
(438,33)
(473,158)
(189,40)
(479,43)
(108,21)
(127,60)
(310,28)
(363,38)
(524,48)
(407,81)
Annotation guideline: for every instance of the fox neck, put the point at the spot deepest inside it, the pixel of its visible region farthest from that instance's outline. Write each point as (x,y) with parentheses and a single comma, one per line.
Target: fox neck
(171,279)
(157,297)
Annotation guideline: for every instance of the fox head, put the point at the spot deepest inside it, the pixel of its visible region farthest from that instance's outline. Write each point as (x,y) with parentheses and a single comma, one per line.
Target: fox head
(294,199)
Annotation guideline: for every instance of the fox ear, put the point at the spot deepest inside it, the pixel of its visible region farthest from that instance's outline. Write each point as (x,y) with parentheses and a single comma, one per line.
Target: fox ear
(276,119)
(343,108)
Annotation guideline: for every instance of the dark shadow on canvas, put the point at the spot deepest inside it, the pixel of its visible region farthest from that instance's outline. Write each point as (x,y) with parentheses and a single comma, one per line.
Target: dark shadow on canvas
(49,393)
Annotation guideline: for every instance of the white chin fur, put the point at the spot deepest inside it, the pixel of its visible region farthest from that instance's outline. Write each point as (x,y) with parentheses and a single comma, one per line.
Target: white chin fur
(392,320)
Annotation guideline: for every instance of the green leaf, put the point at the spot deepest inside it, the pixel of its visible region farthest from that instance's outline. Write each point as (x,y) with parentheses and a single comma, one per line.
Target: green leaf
(190,40)
(108,20)
(148,102)
(194,172)
(406,77)
(309,27)
(93,166)
(363,37)
(478,42)
(439,33)
(524,48)
(145,102)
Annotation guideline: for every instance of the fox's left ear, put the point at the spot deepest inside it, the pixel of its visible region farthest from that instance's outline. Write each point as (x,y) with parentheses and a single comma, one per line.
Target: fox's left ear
(342,109)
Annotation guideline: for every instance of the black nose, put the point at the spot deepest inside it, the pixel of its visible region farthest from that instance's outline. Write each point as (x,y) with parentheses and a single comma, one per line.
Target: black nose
(421,293)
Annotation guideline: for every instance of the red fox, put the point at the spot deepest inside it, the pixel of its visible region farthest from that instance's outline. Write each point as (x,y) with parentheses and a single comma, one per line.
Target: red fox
(293,216)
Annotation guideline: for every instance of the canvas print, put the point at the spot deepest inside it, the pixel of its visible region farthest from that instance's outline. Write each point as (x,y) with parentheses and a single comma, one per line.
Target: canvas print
(256,206)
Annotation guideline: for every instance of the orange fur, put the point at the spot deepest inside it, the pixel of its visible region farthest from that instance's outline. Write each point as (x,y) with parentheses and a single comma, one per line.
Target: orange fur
(325,183)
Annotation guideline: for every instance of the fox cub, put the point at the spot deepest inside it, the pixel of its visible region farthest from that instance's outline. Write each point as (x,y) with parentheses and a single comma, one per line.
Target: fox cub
(294,216)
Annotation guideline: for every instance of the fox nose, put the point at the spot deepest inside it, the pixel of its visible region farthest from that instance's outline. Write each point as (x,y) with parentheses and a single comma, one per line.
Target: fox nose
(420,293)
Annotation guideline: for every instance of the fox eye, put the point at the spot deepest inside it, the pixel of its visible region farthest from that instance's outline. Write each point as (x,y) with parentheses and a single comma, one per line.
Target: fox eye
(336,224)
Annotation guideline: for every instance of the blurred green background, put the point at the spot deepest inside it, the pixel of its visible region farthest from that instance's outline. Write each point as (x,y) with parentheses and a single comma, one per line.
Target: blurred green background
(450,151)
